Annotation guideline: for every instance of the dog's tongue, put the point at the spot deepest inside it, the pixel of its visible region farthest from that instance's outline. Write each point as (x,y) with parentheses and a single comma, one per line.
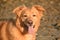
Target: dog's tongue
(30,30)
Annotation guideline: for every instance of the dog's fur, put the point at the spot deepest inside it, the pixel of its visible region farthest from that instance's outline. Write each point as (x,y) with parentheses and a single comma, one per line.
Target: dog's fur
(25,26)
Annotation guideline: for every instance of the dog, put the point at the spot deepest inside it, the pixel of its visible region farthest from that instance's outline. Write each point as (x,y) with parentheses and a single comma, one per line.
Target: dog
(25,26)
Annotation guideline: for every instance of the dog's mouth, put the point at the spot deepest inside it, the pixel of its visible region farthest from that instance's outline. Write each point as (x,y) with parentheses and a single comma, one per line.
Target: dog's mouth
(29,27)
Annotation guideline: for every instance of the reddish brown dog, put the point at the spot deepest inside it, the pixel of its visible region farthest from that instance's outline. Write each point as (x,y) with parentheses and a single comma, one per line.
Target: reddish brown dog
(25,26)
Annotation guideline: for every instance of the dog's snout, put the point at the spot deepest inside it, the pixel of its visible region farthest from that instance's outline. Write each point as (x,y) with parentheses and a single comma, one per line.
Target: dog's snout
(30,22)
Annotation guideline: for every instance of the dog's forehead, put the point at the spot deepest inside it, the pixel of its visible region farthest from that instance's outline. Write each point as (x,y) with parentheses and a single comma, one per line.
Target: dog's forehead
(29,10)
(34,10)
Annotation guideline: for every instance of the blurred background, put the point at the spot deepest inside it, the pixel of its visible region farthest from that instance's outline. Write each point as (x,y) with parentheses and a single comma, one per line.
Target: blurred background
(50,22)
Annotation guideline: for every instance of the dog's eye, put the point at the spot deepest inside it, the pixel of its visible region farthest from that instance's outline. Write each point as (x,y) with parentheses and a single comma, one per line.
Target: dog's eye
(25,15)
(34,15)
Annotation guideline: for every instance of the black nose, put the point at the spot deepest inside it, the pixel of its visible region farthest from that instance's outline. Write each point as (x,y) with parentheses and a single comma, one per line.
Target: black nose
(30,22)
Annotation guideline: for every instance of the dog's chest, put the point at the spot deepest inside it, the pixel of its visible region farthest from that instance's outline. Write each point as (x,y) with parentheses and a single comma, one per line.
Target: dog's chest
(18,36)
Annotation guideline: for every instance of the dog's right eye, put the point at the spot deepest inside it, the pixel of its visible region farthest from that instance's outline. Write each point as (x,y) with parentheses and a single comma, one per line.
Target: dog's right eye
(34,15)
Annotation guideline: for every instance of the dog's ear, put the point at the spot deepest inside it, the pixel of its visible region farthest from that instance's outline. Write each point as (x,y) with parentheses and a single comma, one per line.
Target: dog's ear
(18,10)
(40,9)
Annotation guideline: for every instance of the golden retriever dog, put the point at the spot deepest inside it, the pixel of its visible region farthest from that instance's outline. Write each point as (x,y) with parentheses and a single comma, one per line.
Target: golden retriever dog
(25,26)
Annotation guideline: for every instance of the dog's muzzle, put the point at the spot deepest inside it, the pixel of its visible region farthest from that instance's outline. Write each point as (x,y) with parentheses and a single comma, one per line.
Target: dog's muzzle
(30,23)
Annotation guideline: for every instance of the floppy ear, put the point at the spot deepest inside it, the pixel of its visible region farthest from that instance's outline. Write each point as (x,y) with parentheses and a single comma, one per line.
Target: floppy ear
(40,9)
(18,10)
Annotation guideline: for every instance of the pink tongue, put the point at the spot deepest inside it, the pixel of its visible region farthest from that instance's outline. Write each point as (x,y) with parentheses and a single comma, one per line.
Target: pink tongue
(31,30)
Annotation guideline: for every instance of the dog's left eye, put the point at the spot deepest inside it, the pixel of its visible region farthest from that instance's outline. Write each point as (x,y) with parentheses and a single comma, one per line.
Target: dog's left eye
(25,15)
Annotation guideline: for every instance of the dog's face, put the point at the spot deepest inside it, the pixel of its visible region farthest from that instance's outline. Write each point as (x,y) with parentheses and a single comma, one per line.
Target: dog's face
(29,16)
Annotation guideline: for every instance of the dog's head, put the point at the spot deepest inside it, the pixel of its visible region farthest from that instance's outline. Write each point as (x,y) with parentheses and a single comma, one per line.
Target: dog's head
(29,17)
